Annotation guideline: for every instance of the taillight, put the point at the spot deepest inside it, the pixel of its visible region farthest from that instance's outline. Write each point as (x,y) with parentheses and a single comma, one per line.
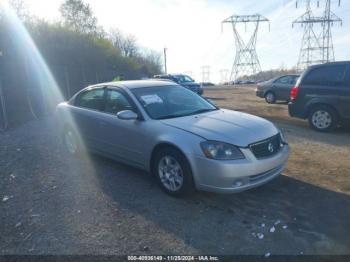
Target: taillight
(294,93)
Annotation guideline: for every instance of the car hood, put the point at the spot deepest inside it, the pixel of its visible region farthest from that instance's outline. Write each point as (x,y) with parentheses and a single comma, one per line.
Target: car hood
(224,125)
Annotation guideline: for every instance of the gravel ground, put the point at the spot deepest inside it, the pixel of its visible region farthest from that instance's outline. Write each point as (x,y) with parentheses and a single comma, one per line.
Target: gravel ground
(53,204)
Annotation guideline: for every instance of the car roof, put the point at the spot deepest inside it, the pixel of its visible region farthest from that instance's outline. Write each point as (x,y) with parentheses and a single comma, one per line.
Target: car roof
(330,63)
(132,84)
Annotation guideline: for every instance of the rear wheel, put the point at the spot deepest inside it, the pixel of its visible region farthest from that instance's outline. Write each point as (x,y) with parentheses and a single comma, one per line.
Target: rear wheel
(270,97)
(323,118)
(173,172)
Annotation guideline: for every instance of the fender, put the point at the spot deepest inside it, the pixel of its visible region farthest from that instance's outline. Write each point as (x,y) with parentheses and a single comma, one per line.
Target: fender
(329,100)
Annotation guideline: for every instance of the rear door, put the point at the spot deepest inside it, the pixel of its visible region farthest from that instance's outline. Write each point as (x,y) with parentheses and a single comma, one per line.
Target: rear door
(282,87)
(89,106)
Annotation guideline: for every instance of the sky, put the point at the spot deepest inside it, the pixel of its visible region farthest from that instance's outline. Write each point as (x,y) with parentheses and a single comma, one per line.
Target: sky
(192,33)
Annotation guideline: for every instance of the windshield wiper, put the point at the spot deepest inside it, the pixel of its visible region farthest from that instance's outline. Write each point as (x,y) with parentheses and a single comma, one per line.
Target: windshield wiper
(204,110)
(189,114)
(168,116)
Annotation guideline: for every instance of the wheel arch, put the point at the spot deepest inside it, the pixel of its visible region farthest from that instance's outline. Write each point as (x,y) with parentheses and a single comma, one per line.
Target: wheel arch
(269,91)
(320,103)
(162,145)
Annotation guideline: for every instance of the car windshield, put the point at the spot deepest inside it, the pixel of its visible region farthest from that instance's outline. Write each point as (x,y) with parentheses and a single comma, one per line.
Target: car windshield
(171,101)
(183,78)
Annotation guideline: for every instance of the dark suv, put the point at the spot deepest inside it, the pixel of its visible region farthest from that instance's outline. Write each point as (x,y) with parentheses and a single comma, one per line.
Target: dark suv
(183,80)
(322,95)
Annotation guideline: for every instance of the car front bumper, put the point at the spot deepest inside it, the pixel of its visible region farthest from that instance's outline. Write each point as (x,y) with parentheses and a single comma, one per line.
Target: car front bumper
(259,93)
(238,175)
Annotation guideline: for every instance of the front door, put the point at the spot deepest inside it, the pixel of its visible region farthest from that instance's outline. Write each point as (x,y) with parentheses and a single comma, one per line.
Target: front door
(282,87)
(122,139)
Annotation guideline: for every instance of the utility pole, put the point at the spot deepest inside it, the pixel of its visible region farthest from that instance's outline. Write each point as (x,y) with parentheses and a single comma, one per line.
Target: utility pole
(246,59)
(316,48)
(165,66)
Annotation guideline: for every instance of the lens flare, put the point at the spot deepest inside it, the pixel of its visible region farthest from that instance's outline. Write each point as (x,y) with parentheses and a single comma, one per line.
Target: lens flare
(50,90)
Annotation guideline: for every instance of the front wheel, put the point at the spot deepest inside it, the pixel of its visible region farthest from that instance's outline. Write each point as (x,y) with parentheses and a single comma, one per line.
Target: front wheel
(173,172)
(323,118)
(270,97)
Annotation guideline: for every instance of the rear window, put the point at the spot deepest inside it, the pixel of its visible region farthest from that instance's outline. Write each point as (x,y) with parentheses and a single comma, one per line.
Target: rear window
(92,99)
(326,76)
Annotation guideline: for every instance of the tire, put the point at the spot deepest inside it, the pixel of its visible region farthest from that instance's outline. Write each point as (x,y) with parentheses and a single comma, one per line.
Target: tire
(173,172)
(71,142)
(323,118)
(270,97)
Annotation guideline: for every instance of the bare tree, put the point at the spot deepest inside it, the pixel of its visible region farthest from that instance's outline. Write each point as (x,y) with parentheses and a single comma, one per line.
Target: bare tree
(20,9)
(79,16)
(126,44)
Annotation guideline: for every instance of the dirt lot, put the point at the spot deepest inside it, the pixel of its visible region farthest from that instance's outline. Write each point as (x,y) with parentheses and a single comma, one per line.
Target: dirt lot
(53,204)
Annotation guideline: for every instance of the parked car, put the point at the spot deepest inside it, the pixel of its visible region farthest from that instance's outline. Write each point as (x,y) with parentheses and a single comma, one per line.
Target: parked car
(175,134)
(206,84)
(277,88)
(183,80)
(322,95)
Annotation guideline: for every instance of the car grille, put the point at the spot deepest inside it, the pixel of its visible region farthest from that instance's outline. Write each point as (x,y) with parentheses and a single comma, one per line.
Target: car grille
(267,147)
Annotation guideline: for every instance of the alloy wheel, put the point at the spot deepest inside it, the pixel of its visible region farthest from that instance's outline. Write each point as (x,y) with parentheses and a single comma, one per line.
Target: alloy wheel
(170,173)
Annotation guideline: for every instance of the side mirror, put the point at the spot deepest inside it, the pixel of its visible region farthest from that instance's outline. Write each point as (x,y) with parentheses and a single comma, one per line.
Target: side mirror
(127,115)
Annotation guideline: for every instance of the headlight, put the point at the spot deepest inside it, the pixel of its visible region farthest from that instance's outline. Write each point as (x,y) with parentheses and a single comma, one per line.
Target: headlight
(221,151)
(283,140)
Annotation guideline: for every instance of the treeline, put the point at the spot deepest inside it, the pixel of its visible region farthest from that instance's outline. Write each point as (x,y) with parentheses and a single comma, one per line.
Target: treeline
(268,74)
(76,50)
(77,40)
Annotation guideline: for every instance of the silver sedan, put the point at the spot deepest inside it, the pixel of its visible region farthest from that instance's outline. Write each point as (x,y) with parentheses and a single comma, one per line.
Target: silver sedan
(184,140)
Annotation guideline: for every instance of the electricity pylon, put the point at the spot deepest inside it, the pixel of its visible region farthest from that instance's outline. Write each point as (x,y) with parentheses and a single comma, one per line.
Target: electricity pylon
(329,18)
(316,48)
(205,72)
(224,75)
(246,59)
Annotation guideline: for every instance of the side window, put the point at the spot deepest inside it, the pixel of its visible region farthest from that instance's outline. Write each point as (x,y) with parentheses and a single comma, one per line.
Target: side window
(92,99)
(116,102)
(284,80)
(326,76)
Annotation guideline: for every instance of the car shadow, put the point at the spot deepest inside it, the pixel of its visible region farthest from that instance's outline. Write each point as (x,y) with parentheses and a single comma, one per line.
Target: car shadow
(306,218)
